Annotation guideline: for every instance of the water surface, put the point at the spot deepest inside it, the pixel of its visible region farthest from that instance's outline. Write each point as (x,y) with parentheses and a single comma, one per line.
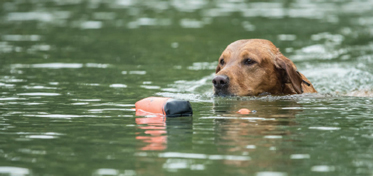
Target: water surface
(71,71)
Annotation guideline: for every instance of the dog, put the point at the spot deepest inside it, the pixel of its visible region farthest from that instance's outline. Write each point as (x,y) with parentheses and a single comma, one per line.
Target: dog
(255,67)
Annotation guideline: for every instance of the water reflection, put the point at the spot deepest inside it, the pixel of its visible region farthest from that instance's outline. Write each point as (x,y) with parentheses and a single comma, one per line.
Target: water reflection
(162,133)
(155,127)
(256,134)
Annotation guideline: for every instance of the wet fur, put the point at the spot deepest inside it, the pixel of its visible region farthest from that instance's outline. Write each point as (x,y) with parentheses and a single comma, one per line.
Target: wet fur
(271,73)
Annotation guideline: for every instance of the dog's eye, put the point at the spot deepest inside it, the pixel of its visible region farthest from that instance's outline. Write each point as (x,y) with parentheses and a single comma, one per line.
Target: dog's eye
(222,62)
(248,61)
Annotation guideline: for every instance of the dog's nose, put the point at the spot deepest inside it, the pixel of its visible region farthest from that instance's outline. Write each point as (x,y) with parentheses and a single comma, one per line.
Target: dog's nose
(220,81)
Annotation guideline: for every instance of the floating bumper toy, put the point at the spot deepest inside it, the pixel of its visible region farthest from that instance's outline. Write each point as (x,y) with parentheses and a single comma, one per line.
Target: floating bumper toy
(163,106)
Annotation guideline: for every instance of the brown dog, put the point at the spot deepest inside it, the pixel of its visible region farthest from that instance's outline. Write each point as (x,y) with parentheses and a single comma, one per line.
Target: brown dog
(257,67)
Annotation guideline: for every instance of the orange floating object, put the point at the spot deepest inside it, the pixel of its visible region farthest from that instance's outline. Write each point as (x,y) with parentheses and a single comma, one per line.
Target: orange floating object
(243,111)
(152,104)
(164,106)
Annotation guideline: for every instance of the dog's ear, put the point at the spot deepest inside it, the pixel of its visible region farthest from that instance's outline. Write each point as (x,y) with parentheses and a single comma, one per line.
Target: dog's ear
(288,74)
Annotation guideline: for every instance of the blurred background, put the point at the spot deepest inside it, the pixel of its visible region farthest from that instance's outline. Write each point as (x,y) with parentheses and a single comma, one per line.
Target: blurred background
(71,71)
(167,41)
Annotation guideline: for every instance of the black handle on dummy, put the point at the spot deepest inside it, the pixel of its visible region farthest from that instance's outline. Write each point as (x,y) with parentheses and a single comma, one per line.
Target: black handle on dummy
(177,108)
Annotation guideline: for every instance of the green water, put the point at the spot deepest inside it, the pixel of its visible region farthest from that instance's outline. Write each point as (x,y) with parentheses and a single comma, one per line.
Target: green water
(71,71)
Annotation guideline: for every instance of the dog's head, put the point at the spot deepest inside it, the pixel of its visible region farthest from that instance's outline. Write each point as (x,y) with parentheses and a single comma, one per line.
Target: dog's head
(255,67)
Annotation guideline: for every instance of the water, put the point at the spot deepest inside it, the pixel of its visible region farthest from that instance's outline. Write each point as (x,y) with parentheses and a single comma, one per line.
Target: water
(71,72)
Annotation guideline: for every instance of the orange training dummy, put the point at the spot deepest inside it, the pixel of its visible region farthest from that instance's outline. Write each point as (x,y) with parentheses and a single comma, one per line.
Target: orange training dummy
(165,106)
(243,111)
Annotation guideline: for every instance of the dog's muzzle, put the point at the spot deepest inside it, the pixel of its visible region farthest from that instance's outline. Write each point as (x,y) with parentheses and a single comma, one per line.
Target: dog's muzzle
(221,84)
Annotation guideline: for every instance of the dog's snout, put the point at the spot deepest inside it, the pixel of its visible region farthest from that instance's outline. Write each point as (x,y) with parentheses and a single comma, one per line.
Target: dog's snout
(220,81)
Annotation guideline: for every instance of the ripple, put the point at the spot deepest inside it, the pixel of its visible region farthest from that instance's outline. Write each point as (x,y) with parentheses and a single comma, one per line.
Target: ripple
(246,118)
(202,156)
(11,98)
(314,49)
(106,171)
(114,104)
(203,66)
(174,164)
(59,116)
(57,65)
(195,90)
(40,47)
(263,9)
(21,37)
(150,87)
(287,37)
(16,171)
(86,99)
(325,128)
(123,3)
(104,15)
(5,47)
(41,137)
(28,16)
(109,109)
(338,78)
(273,137)
(6,85)
(118,85)
(271,173)
(38,87)
(149,22)
(33,103)
(361,93)
(137,72)
(251,147)
(33,152)
(60,65)
(97,65)
(80,103)
(322,168)
(48,65)
(336,38)
(39,94)
(188,6)
(12,80)
(91,25)
(299,156)
(191,23)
